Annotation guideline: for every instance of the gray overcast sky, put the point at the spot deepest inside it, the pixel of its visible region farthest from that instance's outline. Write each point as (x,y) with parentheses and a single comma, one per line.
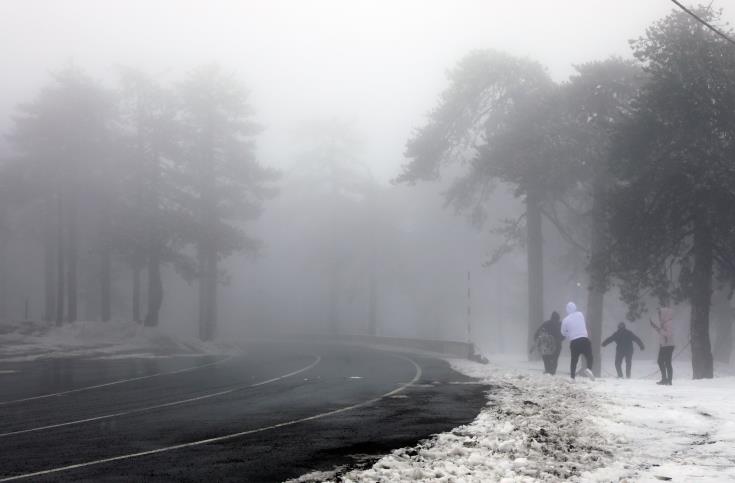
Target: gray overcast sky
(378,64)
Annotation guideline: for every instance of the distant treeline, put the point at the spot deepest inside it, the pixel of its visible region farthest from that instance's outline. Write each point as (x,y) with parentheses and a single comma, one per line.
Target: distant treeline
(145,174)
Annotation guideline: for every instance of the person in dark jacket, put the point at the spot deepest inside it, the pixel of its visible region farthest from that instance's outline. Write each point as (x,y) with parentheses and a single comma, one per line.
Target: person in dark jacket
(548,340)
(623,339)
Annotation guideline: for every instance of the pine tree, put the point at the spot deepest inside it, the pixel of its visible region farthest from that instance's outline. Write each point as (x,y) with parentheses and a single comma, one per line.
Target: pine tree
(227,183)
(328,164)
(672,218)
(499,118)
(62,136)
(155,222)
(597,99)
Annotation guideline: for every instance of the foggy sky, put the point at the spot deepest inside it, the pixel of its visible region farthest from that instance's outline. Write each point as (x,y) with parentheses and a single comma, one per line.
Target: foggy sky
(377,64)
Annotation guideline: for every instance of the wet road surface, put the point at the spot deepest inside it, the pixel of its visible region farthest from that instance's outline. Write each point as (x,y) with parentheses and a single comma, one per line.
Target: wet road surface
(272,413)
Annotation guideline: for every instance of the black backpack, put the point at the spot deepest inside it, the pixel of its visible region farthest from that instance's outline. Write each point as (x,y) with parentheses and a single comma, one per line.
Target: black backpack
(546,344)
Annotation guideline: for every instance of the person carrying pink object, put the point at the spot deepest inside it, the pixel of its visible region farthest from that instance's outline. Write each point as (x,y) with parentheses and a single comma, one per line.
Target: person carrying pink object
(665,329)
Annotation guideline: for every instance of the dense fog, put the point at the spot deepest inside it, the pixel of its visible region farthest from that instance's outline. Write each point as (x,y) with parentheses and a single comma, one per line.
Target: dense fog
(264,159)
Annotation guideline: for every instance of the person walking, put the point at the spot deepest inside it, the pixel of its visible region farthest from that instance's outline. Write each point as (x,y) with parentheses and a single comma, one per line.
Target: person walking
(574,328)
(548,342)
(665,329)
(623,339)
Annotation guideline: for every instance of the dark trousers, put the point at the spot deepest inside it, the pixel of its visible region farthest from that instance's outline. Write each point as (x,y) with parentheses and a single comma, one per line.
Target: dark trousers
(579,347)
(550,363)
(664,362)
(619,356)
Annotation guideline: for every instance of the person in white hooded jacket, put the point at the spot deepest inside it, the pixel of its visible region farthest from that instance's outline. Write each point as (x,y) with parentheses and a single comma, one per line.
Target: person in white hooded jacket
(574,329)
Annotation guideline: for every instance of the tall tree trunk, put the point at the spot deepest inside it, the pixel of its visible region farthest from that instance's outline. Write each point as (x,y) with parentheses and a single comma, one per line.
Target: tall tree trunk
(49,263)
(499,312)
(153,250)
(155,285)
(373,254)
(105,275)
(207,291)
(72,258)
(207,249)
(60,261)
(701,296)
(3,278)
(136,292)
(535,260)
(212,291)
(105,252)
(372,304)
(595,301)
(202,286)
(722,313)
(596,270)
(334,267)
(49,280)
(141,188)
(333,315)
(4,235)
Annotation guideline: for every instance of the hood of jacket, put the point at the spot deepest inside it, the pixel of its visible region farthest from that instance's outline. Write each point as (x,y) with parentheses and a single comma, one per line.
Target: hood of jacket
(571,308)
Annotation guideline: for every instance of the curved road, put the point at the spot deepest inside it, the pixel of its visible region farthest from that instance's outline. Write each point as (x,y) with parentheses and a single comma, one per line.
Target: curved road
(275,412)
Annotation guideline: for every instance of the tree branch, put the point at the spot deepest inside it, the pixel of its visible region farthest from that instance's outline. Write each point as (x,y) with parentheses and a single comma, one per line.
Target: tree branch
(554,219)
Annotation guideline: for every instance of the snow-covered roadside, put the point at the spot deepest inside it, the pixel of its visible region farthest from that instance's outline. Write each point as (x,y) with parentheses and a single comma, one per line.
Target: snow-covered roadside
(29,341)
(534,427)
(537,427)
(685,432)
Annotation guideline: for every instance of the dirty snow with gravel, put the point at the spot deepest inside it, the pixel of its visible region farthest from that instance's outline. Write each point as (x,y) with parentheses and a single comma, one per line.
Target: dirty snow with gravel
(537,427)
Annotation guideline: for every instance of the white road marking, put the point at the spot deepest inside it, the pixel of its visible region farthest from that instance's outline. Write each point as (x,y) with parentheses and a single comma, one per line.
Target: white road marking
(7,371)
(238,387)
(221,438)
(119,381)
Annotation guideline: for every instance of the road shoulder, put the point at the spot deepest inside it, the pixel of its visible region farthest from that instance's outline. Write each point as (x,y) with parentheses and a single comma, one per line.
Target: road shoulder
(533,427)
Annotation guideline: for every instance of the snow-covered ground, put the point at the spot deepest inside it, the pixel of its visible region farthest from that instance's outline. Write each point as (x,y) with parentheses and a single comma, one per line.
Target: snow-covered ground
(685,432)
(538,427)
(26,341)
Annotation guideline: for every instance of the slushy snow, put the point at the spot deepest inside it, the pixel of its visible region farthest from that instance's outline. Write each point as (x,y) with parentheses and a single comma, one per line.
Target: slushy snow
(537,427)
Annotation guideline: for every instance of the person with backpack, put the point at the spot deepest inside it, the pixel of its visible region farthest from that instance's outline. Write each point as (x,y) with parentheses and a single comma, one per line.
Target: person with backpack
(548,342)
(574,328)
(623,339)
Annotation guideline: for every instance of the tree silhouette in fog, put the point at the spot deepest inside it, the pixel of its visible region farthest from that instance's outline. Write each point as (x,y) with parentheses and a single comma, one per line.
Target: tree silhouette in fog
(227,183)
(64,140)
(672,217)
(498,119)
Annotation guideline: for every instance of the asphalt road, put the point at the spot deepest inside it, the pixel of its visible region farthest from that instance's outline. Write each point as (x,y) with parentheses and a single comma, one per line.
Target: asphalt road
(275,412)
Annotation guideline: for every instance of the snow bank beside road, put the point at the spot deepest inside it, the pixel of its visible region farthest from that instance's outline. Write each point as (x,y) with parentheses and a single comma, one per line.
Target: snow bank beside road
(538,427)
(535,427)
(28,341)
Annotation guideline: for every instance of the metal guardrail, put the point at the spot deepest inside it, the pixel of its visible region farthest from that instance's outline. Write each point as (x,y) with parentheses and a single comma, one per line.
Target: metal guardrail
(464,350)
